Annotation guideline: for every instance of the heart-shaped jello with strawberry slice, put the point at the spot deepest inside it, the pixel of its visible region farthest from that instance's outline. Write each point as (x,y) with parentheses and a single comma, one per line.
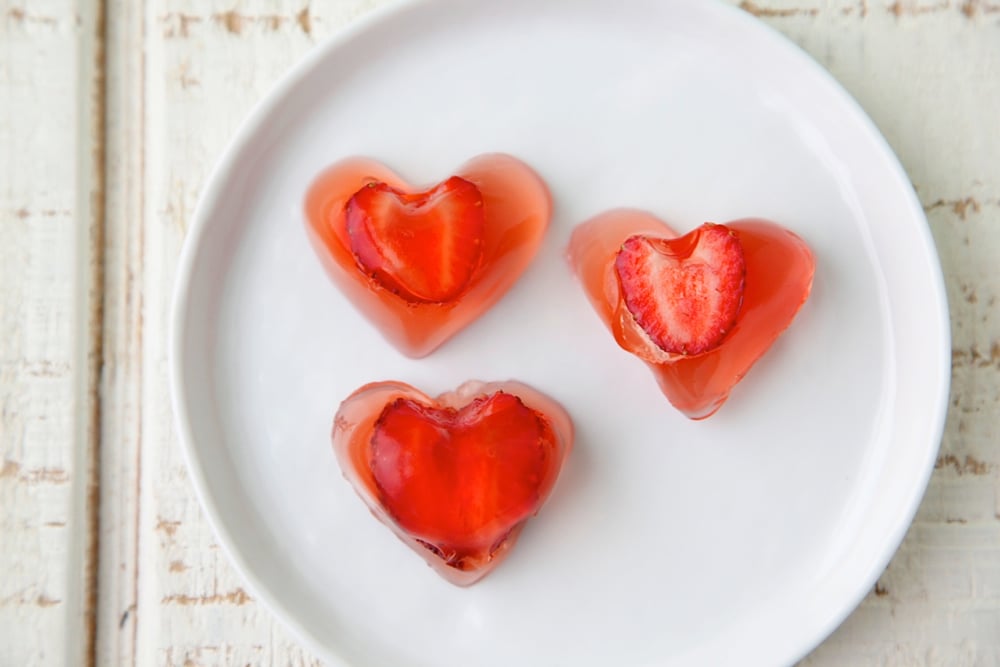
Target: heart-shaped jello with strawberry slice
(699,309)
(421,264)
(455,477)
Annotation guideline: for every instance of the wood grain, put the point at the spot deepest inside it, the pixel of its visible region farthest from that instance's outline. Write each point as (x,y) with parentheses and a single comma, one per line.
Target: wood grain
(122,380)
(51,214)
(95,198)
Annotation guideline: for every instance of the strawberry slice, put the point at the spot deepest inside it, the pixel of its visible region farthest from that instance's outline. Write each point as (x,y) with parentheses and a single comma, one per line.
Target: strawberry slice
(686,292)
(455,477)
(424,246)
(413,302)
(459,480)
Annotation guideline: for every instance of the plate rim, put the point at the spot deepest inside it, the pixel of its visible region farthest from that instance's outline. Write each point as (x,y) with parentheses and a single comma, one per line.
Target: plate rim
(272,100)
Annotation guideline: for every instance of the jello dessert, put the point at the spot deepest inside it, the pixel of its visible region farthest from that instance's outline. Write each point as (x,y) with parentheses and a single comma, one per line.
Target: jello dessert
(422,263)
(455,477)
(699,309)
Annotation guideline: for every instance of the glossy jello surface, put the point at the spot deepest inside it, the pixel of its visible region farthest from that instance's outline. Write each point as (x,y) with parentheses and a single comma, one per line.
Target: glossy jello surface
(455,477)
(778,280)
(421,263)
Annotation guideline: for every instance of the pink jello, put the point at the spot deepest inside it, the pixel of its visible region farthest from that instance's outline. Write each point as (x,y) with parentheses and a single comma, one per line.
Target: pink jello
(417,318)
(455,477)
(779,274)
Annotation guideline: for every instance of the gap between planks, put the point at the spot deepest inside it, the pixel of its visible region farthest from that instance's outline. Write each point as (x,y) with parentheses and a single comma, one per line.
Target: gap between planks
(89,300)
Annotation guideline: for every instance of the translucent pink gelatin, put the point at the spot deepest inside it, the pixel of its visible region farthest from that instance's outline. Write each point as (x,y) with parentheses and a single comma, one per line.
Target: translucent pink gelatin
(517,209)
(779,277)
(455,477)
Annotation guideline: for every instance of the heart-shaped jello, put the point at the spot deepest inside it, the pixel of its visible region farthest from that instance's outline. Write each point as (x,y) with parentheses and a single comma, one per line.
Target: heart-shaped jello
(699,309)
(423,264)
(455,477)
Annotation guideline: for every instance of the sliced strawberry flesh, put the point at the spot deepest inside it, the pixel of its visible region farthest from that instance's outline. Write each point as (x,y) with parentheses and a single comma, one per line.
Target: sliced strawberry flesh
(684,293)
(423,246)
(459,480)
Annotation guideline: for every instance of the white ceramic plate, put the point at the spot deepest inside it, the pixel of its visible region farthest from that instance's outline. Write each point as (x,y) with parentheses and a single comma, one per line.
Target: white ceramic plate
(744,539)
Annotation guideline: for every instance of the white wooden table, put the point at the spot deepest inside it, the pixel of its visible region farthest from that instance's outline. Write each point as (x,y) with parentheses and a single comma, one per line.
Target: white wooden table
(112,113)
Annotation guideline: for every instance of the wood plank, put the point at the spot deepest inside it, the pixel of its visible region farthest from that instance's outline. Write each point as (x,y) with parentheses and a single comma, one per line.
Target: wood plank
(121,390)
(51,210)
(206,65)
